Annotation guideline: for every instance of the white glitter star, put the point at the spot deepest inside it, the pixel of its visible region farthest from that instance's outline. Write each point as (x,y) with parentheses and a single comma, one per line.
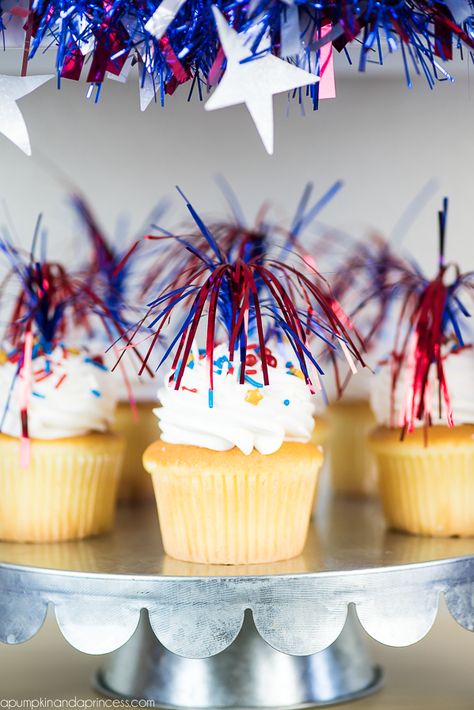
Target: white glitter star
(253,82)
(12,123)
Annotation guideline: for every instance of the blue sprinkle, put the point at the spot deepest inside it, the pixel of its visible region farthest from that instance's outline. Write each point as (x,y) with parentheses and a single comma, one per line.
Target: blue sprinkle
(202,351)
(191,364)
(289,364)
(220,362)
(253,382)
(37,394)
(96,393)
(286,402)
(211,399)
(47,366)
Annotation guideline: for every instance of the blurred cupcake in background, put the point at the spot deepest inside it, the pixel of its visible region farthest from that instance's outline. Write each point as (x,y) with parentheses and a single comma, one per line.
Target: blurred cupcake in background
(350,419)
(423,401)
(116,270)
(363,284)
(59,460)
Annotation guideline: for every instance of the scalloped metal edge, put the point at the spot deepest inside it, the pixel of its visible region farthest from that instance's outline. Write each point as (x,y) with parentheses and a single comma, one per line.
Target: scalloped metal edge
(198,618)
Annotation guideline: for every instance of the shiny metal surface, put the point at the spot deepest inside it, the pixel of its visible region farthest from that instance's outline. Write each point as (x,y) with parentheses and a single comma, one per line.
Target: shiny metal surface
(249,674)
(98,587)
(347,535)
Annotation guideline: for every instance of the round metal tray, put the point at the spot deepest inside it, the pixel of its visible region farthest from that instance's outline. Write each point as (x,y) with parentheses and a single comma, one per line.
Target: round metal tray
(98,587)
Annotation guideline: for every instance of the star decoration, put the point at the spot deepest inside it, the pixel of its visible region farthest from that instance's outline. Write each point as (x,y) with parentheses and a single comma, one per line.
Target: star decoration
(253,397)
(253,80)
(12,123)
(148,90)
(163,17)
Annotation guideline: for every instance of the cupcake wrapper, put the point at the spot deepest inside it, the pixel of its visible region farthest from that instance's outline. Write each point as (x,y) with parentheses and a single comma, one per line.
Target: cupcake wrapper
(429,492)
(353,470)
(66,492)
(135,484)
(240,518)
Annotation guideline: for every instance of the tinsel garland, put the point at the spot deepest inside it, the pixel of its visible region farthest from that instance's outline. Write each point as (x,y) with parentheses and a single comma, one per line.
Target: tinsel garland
(106,35)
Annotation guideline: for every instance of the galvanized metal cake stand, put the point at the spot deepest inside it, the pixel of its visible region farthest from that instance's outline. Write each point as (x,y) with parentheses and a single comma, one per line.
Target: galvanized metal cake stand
(281,635)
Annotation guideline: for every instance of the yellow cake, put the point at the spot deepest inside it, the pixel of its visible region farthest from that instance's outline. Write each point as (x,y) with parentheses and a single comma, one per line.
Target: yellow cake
(352,465)
(135,484)
(427,488)
(225,507)
(68,490)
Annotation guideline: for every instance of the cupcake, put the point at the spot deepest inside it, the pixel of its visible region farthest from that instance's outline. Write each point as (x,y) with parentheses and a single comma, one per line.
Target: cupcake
(234,471)
(365,277)
(64,486)
(350,420)
(59,460)
(423,401)
(235,482)
(427,476)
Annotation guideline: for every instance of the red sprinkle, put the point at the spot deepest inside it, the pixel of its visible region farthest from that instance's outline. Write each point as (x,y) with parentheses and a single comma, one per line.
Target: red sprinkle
(60,381)
(41,375)
(270,358)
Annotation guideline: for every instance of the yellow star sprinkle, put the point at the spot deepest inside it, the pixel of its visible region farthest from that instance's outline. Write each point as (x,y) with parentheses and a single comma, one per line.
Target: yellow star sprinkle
(3,357)
(253,397)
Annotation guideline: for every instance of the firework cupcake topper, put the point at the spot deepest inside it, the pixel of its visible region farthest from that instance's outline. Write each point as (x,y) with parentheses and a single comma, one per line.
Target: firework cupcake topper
(109,268)
(240,292)
(185,252)
(52,304)
(429,329)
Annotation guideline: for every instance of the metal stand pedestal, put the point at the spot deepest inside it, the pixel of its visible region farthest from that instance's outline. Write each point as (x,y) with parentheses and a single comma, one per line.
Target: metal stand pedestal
(249,674)
(173,630)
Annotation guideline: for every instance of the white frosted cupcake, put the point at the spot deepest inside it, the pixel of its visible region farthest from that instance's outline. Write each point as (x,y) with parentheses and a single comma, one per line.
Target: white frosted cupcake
(235,481)
(60,483)
(427,476)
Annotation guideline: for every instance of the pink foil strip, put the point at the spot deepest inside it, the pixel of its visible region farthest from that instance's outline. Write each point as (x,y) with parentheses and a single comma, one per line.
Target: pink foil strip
(25,379)
(327,82)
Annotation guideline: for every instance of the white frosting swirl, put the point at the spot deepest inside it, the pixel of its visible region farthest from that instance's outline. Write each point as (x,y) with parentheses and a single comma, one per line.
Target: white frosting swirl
(459,372)
(75,398)
(246,416)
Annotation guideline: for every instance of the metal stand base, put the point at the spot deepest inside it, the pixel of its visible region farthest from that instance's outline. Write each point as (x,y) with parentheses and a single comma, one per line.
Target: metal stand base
(249,674)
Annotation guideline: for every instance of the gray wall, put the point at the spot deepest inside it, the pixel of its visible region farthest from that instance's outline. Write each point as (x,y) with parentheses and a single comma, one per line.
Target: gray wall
(385,141)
